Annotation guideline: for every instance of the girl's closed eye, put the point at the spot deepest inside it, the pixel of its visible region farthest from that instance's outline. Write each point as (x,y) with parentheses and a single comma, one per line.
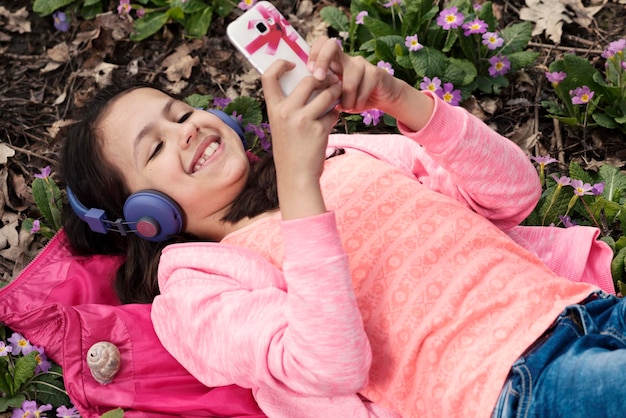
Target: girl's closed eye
(185,117)
(156,151)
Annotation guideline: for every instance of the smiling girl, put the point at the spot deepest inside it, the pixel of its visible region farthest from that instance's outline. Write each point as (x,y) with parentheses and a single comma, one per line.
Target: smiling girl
(348,269)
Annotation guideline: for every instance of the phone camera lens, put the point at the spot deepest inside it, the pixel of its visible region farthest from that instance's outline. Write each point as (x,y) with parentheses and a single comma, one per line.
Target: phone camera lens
(261,27)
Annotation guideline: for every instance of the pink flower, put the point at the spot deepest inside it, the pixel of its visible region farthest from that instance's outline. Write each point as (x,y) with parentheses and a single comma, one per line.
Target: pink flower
(141,12)
(372,117)
(45,173)
(5,350)
(124,7)
(492,40)
(359,17)
(544,160)
(450,18)
(385,66)
(581,95)
(65,412)
(500,65)
(475,26)
(561,181)
(614,48)
(392,3)
(555,77)
(19,343)
(597,189)
(567,221)
(449,95)
(433,85)
(246,4)
(36,227)
(580,188)
(30,409)
(412,43)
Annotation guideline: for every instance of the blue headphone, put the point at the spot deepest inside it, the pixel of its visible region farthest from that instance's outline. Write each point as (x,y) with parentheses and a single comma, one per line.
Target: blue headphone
(150,214)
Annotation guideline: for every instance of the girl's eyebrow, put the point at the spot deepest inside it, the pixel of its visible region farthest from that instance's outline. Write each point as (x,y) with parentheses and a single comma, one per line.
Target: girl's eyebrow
(146,129)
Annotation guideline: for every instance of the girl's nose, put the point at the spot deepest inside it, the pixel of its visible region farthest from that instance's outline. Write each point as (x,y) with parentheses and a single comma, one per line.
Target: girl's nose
(186,134)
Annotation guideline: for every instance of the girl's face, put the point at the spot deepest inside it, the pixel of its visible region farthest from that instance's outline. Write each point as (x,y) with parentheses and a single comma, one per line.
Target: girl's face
(191,155)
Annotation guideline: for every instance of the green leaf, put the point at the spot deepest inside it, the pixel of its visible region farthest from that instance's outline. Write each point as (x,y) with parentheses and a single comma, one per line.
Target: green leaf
(198,24)
(460,72)
(14,402)
(335,18)
(604,120)
(522,59)
(198,100)
(49,388)
(114,413)
(516,37)
(577,172)
(248,107)
(89,12)
(24,368)
(429,62)
(148,25)
(614,181)
(45,7)
(194,6)
(617,265)
(42,197)
(5,378)
(378,27)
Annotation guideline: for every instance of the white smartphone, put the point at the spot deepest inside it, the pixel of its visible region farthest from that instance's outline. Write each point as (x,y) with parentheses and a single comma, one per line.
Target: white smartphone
(263,35)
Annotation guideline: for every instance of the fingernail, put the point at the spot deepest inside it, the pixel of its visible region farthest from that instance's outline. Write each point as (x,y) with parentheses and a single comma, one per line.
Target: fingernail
(319,74)
(310,66)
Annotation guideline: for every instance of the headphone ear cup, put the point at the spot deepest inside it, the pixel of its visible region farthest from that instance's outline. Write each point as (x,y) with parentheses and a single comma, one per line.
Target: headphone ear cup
(157,216)
(232,122)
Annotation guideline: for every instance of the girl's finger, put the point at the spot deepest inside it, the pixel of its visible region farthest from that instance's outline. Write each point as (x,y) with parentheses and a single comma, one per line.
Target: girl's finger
(271,79)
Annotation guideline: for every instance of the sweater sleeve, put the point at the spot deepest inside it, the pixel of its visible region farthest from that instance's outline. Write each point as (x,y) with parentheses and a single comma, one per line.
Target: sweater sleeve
(458,155)
(244,323)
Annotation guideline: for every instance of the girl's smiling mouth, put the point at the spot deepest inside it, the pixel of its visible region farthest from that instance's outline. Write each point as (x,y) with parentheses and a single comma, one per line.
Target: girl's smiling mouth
(205,151)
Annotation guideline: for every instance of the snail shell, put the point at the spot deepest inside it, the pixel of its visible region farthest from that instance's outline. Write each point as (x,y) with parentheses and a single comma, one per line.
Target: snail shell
(103,359)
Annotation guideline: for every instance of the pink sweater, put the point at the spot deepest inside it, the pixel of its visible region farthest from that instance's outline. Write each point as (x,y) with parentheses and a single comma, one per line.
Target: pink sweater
(447,300)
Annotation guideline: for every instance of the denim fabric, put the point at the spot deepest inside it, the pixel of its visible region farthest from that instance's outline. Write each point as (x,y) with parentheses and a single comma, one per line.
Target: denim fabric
(576,369)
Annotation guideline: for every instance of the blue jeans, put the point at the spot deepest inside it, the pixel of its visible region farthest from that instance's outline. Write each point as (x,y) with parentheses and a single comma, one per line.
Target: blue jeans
(576,369)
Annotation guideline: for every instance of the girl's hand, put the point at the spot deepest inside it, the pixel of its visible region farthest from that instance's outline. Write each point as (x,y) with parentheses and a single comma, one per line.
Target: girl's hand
(366,86)
(300,130)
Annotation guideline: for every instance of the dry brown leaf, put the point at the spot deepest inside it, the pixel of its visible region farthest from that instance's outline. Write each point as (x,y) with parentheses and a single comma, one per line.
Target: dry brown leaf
(8,233)
(524,135)
(5,152)
(548,16)
(59,53)
(182,68)
(16,22)
(584,15)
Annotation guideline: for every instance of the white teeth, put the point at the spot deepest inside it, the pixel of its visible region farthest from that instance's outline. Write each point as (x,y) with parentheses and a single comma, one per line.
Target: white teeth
(210,150)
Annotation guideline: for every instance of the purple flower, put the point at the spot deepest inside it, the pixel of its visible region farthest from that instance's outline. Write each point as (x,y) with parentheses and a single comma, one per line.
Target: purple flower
(124,7)
(19,343)
(256,130)
(359,17)
(477,7)
(64,412)
(581,95)
(580,188)
(597,189)
(141,12)
(492,40)
(614,48)
(500,65)
(60,21)
(29,409)
(385,66)
(5,350)
(43,365)
(45,173)
(567,221)
(555,77)
(433,85)
(475,26)
(392,3)
(246,4)
(543,160)
(561,181)
(36,226)
(450,18)
(221,102)
(372,117)
(449,95)
(412,43)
